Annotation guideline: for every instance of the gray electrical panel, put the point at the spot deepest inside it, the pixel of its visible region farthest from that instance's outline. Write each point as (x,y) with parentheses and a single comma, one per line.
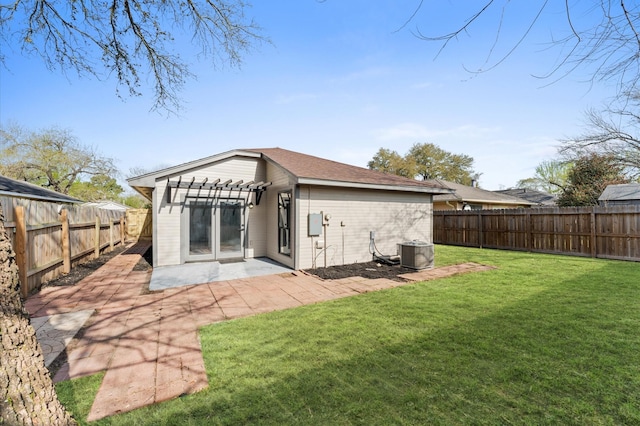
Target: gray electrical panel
(315,224)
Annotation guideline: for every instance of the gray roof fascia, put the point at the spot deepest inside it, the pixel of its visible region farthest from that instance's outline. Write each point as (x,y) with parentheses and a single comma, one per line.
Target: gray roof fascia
(360,185)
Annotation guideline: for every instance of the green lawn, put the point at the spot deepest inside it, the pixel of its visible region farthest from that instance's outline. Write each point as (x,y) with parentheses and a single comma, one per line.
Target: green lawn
(540,340)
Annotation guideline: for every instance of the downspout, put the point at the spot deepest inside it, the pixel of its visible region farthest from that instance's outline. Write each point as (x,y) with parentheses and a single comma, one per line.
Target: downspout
(324,226)
(295,236)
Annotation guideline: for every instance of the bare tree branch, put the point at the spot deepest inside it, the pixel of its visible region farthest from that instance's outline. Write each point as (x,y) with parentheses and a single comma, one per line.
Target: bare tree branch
(605,40)
(130,39)
(605,135)
(567,9)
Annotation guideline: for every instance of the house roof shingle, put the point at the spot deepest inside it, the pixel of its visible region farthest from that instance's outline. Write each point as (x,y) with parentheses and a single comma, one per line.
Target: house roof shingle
(476,195)
(538,197)
(308,167)
(621,192)
(106,205)
(16,188)
(305,169)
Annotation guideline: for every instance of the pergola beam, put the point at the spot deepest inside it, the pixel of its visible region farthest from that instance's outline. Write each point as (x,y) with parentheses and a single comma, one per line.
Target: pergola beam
(229,185)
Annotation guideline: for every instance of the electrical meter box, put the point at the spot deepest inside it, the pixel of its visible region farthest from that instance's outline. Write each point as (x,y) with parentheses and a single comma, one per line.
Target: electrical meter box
(315,224)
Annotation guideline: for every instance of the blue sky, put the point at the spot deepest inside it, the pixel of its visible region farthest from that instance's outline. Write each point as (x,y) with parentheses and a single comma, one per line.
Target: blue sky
(340,80)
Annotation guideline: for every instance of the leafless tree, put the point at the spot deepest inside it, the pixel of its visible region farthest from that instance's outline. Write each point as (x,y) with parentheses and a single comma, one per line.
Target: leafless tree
(129,39)
(52,158)
(614,133)
(601,36)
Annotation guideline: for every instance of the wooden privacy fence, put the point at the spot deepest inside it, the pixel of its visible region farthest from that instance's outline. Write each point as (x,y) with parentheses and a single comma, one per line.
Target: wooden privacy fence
(139,225)
(603,232)
(50,239)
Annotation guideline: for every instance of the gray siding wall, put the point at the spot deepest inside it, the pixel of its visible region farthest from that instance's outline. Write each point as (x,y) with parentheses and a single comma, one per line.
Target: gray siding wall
(393,216)
(167,215)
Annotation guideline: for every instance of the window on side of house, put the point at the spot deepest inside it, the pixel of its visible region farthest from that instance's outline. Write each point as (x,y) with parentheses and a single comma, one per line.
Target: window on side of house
(284,223)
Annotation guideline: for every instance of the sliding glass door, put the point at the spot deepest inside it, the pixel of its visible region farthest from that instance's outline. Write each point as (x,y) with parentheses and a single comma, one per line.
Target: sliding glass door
(200,231)
(213,230)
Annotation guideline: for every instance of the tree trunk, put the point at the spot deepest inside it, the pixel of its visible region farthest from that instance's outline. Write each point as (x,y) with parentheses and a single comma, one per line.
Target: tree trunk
(27,394)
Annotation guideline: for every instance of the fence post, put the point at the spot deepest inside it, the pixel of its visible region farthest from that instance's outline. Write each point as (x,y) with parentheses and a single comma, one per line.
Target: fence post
(66,246)
(480,230)
(110,234)
(122,230)
(21,250)
(594,252)
(527,234)
(97,238)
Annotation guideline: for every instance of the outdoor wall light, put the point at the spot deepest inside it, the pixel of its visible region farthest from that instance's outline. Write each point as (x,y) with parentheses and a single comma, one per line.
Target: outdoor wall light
(251,204)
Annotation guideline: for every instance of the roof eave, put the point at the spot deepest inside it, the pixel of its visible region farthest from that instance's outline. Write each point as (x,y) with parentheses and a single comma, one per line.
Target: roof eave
(485,201)
(41,197)
(509,202)
(361,185)
(146,192)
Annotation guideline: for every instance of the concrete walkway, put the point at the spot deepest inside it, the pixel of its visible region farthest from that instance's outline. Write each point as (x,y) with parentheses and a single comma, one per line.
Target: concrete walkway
(55,332)
(147,342)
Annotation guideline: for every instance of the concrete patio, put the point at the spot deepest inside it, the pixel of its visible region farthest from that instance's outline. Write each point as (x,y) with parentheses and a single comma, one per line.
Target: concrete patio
(164,277)
(147,341)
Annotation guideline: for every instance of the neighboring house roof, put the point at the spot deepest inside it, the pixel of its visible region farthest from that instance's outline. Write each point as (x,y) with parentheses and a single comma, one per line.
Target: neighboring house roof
(538,197)
(304,169)
(470,194)
(20,189)
(107,205)
(621,192)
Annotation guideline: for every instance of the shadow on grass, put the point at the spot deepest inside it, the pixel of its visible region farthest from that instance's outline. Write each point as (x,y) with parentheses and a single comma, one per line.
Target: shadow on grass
(73,394)
(471,349)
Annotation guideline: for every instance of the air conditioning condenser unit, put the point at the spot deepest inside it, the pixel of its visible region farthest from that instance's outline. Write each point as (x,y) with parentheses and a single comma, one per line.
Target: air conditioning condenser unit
(416,255)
